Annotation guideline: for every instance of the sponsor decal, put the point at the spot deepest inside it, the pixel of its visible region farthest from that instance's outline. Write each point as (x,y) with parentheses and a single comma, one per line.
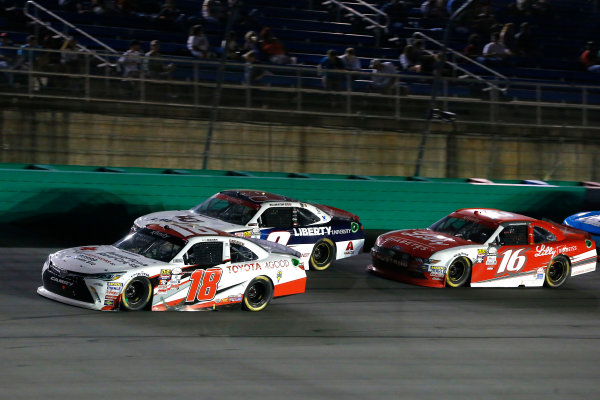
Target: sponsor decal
(187,218)
(108,302)
(313,231)
(245,234)
(341,231)
(354,227)
(540,273)
(436,271)
(543,250)
(61,281)
(588,243)
(235,299)
(279,274)
(88,248)
(349,249)
(491,260)
(114,287)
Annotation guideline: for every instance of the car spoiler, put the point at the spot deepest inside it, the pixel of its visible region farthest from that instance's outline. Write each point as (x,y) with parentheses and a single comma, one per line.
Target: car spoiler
(566,229)
(336,212)
(273,247)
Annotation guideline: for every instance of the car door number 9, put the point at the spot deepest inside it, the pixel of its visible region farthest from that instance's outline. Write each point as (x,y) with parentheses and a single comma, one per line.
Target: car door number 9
(281,237)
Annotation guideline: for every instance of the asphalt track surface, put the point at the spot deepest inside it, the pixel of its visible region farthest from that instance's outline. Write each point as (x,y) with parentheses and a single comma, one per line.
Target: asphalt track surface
(350,336)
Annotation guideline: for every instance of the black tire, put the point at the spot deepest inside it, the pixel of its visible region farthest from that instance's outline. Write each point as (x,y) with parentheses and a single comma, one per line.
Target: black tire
(459,272)
(258,294)
(136,294)
(323,255)
(557,272)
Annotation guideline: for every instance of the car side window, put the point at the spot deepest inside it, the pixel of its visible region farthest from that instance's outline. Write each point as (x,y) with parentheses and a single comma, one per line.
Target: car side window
(206,254)
(279,217)
(240,253)
(540,235)
(514,235)
(305,217)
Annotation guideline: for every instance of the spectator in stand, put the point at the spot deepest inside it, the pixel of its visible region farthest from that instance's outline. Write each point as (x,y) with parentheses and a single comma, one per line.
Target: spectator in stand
(381,79)
(170,16)
(434,9)
(6,58)
(351,62)
(495,53)
(213,11)
(482,21)
(130,61)
(273,48)
(397,13)
(409,59)
(251,44)
(252,73)
(70,59)
(474,47)
(231,47)
(330,68)
(526,43)
(198,43)
(154,67)
(589,58)
(507,37)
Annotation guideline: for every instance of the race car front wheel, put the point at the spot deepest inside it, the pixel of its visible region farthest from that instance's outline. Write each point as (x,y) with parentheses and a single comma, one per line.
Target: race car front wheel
(258,294)
(557,272)
(136,294)
(459,272)
(322,255)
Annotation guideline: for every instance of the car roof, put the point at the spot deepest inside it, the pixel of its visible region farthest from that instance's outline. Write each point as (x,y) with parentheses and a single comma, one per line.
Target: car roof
(492,215)
(186,231)
(256,196)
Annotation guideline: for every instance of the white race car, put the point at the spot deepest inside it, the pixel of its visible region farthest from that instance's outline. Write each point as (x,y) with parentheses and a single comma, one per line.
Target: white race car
(320,233)
(174,267)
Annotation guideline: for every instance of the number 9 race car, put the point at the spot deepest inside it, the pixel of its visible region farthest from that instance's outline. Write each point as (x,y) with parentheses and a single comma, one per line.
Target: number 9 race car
(484,247)
(174,267)
(320,233)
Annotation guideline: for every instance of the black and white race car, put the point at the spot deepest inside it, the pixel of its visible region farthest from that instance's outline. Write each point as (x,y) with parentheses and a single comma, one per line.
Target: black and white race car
(321,234)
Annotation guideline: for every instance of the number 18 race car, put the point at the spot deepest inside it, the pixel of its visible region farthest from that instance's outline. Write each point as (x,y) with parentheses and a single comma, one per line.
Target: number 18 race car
(174,267)
(484,247)
(320,233)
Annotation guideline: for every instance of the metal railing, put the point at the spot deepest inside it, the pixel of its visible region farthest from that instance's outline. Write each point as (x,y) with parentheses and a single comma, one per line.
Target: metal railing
(300,90)
(498,78)
(351,11)
(35,17)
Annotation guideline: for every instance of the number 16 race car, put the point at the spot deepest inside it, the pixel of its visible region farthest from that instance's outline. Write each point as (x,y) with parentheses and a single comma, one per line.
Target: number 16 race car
(484,247)
(320,233)
(174,267)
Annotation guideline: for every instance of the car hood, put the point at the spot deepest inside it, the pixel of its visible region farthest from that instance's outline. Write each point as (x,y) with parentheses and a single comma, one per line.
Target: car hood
(99,259)
(187,217)
(419,242)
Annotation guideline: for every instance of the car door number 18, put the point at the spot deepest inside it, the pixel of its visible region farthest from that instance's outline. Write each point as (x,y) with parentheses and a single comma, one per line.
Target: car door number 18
(204,284)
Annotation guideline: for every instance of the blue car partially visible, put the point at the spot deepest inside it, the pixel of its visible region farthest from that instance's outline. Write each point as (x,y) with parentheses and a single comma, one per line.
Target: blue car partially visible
(588,221)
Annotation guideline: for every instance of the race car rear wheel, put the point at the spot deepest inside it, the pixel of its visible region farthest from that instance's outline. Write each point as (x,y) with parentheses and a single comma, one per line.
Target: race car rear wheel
(258,294)
(459,272)
(136,294)
(322,255)
(557,272)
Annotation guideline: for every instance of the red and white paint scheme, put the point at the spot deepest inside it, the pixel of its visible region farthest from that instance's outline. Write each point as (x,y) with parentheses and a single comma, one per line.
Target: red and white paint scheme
(487,248)
(174,267)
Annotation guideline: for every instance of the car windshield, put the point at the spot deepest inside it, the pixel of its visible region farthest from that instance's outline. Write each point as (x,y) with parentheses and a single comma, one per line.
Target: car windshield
(152,244)
(462,228)
(226,210)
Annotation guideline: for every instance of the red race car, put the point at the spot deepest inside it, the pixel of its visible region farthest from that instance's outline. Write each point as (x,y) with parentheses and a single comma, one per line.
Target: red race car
(484,247)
